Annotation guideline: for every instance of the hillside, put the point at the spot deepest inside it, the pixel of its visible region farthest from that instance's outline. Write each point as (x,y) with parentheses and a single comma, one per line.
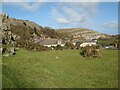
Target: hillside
(82,33)
(24,28)
(23,33)
(27,34)
(28,30)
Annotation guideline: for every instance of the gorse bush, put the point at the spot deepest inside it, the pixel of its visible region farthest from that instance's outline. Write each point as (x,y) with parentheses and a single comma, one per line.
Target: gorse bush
(69,46)
(91,51)
(58,47)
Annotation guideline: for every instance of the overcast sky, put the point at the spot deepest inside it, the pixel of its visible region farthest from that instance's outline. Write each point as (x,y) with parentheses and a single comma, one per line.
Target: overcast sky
(99,16)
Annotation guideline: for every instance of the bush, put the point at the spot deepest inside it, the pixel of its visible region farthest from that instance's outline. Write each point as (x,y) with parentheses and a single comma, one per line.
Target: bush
(59,47)
(69,46)
(91,51)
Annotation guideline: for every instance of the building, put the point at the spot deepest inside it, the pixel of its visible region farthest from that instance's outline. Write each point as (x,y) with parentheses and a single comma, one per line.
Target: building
(88,43)
(49,42)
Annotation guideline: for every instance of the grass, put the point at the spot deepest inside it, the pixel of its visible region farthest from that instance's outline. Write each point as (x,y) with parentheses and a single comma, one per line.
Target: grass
(28,69)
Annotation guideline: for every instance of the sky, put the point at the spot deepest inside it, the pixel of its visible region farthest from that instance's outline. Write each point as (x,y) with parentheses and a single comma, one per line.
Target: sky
(95,15)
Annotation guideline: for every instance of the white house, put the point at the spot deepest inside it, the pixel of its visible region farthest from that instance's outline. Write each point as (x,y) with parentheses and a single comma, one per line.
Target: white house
(89,43)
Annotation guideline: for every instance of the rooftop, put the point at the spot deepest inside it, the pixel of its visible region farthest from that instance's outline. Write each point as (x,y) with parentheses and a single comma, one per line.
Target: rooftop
(49,41)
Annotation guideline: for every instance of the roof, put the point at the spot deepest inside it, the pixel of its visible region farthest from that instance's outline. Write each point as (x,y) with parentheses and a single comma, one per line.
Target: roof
(49,41)
(38,39)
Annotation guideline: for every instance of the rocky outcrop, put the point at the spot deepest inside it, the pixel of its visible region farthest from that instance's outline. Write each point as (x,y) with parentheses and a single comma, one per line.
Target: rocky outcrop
(8,39)
(17,33)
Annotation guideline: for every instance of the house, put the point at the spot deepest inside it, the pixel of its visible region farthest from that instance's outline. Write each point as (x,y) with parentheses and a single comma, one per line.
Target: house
(49,42)
(88,43)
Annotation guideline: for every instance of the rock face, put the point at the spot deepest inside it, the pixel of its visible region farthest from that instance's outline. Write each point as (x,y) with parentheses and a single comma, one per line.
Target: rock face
(15,32)
(8,39)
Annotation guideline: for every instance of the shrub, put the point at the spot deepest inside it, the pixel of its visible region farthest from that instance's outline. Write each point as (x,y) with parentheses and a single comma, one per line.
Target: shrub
(91,51)
(69,46)
(58,47)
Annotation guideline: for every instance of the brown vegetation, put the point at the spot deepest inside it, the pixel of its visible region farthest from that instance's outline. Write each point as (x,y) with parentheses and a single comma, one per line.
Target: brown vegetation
(91,51)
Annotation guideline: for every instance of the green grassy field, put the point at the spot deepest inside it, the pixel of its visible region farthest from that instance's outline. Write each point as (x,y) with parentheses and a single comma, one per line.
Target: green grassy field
(70,70)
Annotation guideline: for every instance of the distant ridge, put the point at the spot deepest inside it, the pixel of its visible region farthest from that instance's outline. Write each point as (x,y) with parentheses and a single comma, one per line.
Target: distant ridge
(82,33)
